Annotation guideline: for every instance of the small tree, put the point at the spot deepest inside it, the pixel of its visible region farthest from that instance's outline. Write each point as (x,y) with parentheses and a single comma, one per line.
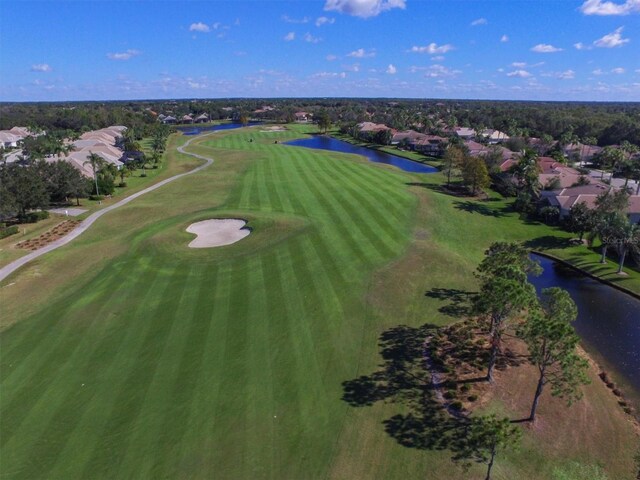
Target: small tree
(626,239)
(475,174)
(324,122)
(96,162)
(580,219)
(504,291)
(488,435)
(452,161)
(552,343)
(549,212)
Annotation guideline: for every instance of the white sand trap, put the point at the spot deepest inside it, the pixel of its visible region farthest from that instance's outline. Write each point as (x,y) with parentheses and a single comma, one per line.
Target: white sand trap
(217,232)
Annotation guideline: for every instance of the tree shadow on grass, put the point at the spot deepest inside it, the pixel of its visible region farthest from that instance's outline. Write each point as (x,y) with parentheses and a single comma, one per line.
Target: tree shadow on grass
(404,379)
(460,301)
(547,242)
(478,207)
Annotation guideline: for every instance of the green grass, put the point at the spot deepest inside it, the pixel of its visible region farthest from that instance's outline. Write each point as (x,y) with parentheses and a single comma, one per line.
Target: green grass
(136,357)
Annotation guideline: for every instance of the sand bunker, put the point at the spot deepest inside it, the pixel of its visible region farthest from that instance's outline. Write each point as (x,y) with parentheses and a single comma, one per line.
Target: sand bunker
(217,232)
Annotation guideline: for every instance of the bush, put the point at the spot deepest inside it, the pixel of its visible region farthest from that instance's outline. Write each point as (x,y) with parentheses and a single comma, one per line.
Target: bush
(122,184)
(35,217)
(143,174)
(5,232)
(456,406)
(96,198)
(472,398)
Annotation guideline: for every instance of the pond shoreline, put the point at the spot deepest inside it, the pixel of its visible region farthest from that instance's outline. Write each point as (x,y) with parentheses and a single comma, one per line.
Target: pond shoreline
(588,274)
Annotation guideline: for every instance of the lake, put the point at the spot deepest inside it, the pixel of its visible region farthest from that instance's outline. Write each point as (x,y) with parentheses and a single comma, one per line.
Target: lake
(608,319)
(197,129)
(323,142)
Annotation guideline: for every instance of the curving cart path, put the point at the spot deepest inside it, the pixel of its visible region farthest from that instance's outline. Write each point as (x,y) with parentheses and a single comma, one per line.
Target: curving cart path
(87,222)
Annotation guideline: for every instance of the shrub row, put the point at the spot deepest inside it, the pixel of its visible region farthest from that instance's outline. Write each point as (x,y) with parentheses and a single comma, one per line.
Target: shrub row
(5,232)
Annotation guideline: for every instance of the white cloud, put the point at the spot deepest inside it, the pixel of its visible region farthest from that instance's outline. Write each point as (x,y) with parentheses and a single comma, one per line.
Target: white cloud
(329,75)
(611,40)
(436,71)
(124,55)
(41,67)
(363,8)
(618,71)
(432,49)
(290,36)
(504,38)
(352,68)
(479,21)
(288,19)
(566,75)
(437,58)
(325,21)
(391,69)
(362,53)
(545,48)
(310,38)
(598,71)
(525,64)
(581,46)
(519,74)
(598,7)
(199,27)
(331,58)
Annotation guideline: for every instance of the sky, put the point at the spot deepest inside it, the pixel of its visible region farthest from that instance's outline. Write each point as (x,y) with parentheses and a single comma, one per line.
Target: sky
(585,50)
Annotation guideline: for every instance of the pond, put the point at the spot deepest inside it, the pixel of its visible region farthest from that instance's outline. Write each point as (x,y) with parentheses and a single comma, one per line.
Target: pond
(608,319)
(323,142)
(198,129)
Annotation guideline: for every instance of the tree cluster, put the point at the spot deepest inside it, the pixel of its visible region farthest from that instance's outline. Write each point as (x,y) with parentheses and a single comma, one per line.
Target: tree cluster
(37,185)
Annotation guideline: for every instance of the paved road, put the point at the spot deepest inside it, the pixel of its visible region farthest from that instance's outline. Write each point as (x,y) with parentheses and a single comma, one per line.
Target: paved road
(80,229)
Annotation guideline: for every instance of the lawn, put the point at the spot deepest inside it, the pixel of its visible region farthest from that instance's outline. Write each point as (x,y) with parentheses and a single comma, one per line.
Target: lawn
(127,355)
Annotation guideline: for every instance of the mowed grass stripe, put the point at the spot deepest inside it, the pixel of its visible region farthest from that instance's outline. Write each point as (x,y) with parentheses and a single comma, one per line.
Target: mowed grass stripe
(130,391)
(363,215)
(281,186)
(98,346)
(259,414)
(24,339)
(376,197)
(340,225)
(173,384)
(32,381)
(77,447)
(267,186)
(231,407)
(247,187)
(197,449)
(359,227)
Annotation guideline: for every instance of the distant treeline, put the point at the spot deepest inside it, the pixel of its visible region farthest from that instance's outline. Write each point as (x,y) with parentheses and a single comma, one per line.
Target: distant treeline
(609,123)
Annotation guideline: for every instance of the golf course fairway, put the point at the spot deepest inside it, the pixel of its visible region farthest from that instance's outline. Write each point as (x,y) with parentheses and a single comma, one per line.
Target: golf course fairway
(126,354)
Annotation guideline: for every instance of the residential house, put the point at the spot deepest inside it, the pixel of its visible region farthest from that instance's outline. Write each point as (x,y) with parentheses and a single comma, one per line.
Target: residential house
(203,118)
(495,136)
(9,140)
(465,133)
(432,145)
(187,119)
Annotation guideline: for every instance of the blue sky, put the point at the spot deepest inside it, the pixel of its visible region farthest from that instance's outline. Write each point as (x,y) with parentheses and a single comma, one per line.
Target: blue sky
(512,49)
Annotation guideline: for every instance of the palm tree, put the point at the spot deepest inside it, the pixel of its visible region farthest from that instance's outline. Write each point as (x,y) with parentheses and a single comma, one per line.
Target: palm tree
(97,162)
(627,239)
